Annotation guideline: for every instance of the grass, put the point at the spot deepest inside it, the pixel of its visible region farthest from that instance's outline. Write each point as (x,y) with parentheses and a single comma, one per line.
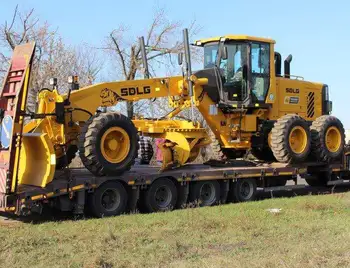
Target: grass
(309,231)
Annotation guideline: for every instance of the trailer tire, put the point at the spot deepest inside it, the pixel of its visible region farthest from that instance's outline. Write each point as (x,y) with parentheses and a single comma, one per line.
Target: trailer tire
(206,193)
(318,179)
(109,199)
(99,155)
(276,181)
(160,196)
(244,190)
(327,138)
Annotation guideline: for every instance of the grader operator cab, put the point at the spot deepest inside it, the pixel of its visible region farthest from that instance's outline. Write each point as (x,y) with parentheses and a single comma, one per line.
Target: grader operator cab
(240,93)
(270,114)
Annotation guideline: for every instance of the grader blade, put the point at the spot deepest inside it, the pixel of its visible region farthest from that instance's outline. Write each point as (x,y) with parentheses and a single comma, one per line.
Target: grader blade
(178,149)
(37,160)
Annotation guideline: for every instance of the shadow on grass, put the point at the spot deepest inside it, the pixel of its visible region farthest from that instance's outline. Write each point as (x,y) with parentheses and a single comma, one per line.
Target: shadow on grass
(50,214)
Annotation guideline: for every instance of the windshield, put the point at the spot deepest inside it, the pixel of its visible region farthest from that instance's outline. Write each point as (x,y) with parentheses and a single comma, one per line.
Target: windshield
(210,53)
(236,53)
(236,58)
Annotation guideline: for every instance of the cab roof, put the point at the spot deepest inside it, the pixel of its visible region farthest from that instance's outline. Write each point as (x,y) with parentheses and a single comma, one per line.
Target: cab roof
(234,37)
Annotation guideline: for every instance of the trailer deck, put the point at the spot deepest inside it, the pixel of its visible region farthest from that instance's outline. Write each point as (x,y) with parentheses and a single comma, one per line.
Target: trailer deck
(70,181)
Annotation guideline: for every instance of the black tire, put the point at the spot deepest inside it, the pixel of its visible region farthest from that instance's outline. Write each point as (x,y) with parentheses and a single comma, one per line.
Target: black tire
(206,193)
(64,161)
(145,153)
(317,180)
(182,196)
(319,130)
(217,153)
(90,144)
(160,196)
(263,154)
(109,199)
(260,146)
(276,181)
(244,190)
(280,143)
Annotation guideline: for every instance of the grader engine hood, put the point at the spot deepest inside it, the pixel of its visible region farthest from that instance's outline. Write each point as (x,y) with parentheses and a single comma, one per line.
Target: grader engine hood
(24,157)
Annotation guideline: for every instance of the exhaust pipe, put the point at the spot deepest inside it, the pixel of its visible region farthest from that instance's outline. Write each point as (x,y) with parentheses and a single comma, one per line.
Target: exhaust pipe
(278,61)
(287,66)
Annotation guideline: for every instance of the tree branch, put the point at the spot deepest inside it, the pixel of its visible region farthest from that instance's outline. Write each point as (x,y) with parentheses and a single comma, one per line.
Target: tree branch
(120,54)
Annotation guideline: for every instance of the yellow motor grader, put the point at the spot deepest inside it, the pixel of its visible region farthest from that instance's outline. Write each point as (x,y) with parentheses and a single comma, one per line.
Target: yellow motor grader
(246,101)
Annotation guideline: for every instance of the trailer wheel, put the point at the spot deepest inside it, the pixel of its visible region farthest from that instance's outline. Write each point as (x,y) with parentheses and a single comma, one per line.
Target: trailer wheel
(206,193)
(328,138)
(108,144)
(160,196)
(276,181)
(291,139)
(317,179)
(244,190)
(110,199)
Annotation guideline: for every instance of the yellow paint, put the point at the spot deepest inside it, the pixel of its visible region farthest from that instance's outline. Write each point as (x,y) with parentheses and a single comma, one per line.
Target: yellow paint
(333,139)
(298,139)
(36,167)
(10,209)
(115,145)
(236,37)
(77,187)
(285,173)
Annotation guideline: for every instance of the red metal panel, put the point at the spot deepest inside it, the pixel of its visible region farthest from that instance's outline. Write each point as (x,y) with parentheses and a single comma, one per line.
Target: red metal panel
(12,97)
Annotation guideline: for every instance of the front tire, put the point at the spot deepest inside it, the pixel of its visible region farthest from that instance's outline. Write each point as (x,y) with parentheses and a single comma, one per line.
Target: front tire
(291,139)
(108,144)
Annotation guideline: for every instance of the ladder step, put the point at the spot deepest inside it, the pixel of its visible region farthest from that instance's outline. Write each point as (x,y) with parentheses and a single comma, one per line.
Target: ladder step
(9,94)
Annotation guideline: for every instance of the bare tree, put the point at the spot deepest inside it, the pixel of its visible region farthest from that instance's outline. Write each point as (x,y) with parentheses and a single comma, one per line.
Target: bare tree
(162,39)
(53,57)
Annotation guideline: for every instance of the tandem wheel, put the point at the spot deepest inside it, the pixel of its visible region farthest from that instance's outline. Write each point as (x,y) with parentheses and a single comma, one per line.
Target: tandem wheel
(244,190)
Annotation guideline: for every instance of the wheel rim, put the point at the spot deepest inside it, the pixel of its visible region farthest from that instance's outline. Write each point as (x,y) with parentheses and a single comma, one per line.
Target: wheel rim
(207,193)
(298,139)
(333,139)
(115,145)
(245,190)
(163,196)
(110,199)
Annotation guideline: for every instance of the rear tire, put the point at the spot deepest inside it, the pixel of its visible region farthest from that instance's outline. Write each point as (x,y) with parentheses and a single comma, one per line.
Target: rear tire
(317,180)
(244,190)
(108,144)
(160,196)
(206,193)
(328,138)
(291,139)
(109,199)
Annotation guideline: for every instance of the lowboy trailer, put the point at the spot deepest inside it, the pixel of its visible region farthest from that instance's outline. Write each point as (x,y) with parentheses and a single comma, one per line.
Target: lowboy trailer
(143,188)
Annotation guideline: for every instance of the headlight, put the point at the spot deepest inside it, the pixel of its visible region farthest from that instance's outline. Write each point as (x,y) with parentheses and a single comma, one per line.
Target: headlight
(73,79)
(53,81)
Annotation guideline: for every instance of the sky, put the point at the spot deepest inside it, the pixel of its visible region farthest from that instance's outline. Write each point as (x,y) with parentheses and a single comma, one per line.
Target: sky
(317,33)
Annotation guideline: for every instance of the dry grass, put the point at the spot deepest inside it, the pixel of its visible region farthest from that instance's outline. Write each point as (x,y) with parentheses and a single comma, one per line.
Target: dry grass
(310,231)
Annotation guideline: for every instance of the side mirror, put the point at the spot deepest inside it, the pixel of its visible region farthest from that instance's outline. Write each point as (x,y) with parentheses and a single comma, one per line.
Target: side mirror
(180,58)
(224,54)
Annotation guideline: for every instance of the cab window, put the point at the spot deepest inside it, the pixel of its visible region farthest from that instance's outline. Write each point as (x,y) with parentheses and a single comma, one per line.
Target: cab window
(260,66)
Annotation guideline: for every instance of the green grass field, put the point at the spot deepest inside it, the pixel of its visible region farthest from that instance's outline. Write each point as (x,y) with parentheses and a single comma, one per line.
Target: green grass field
(310,231)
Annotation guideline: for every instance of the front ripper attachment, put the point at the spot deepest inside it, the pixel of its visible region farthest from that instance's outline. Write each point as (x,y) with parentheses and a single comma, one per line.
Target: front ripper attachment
(13,98)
